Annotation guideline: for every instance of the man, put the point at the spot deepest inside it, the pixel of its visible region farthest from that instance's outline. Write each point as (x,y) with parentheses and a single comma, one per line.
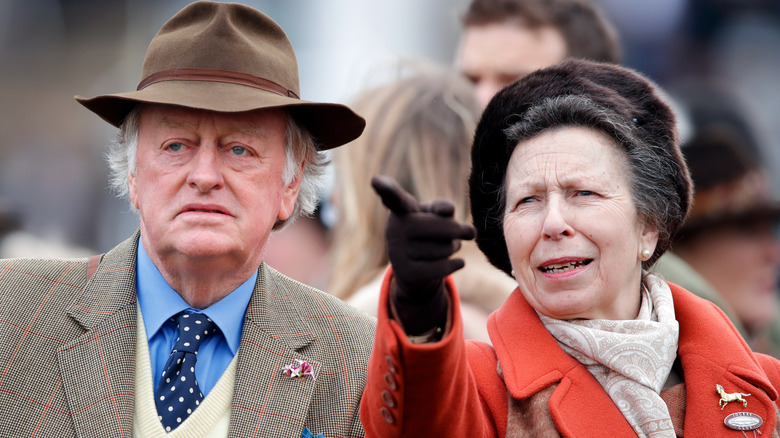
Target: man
(504,40)
(182,328)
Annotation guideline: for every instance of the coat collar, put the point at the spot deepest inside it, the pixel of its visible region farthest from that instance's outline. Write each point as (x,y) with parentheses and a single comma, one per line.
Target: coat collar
(98,367)
(712,352)
(710,349)
(532,360)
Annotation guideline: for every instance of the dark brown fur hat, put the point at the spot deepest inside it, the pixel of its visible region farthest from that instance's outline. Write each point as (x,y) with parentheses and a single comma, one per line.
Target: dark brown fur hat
(630,97)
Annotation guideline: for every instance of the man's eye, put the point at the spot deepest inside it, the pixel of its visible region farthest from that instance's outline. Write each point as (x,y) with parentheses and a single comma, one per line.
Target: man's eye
(585,192)
(175,147)
(238,150)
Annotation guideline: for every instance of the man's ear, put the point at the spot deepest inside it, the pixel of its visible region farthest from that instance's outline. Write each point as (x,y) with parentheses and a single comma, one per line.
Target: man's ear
(132,190)
(290,195)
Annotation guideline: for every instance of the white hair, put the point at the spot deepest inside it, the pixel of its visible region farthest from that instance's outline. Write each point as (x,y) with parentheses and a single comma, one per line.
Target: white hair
(300,148)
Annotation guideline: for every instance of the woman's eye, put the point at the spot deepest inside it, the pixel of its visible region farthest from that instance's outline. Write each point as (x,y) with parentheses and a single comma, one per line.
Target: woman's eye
(238,150)
(175,147)
(526,200)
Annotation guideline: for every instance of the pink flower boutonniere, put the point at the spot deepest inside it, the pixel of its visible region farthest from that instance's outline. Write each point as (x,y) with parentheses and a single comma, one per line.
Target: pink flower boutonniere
(298,370)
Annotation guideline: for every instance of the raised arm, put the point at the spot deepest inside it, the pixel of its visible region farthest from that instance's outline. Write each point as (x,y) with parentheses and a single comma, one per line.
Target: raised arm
(420,240)
(420,380)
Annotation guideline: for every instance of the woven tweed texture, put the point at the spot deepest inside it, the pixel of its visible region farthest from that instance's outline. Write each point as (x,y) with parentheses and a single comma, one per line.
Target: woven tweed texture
(67,355)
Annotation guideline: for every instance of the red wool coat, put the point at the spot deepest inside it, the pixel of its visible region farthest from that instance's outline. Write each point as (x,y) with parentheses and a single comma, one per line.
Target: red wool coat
(453,388)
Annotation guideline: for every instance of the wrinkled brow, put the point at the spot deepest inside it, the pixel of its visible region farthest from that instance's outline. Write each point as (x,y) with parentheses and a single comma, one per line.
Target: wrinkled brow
(255,130)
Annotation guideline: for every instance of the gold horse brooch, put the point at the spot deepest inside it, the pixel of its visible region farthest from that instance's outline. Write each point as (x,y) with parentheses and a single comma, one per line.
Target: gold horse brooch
(728,398)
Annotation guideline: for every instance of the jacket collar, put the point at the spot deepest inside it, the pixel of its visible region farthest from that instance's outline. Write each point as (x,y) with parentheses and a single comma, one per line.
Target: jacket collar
(710,349)
(712,352)
(532,360)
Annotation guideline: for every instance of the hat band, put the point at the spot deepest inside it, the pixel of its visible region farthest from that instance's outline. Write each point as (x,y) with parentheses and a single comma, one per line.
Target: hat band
(216,75)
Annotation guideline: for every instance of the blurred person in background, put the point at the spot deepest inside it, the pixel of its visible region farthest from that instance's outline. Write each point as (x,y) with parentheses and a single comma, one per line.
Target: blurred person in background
(302,250)
(730,238)
(419,131)
(182,327)
(504,40)
(16,242)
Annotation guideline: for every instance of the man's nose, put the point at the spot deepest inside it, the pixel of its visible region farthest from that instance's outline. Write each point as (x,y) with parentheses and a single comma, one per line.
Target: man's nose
(206,171)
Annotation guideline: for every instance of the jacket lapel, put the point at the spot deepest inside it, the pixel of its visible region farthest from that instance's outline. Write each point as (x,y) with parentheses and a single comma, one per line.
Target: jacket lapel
(713,353)
(98,367)
(265,400)
(532,360)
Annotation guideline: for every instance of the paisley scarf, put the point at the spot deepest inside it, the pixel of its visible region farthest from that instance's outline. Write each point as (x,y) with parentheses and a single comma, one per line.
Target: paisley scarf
(631,359)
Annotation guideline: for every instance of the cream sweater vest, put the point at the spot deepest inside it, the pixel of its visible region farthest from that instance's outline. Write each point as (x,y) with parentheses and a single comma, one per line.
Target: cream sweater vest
(210,420)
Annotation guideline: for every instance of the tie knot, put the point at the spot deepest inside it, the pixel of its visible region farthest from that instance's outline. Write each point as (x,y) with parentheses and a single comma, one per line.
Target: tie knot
(193,328)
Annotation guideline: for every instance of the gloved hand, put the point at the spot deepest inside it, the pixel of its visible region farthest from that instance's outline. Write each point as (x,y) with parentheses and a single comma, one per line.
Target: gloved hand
(420,240)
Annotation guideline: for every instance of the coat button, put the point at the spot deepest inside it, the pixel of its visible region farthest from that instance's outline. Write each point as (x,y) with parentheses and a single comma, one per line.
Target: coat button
(388,398)
(387,415)
(391,364)
(390,381)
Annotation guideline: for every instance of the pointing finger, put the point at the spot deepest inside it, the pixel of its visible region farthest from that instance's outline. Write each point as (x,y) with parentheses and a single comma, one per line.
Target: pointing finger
(398,200)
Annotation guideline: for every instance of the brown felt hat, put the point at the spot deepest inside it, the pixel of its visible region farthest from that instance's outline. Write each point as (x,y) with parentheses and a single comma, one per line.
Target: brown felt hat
(227,57)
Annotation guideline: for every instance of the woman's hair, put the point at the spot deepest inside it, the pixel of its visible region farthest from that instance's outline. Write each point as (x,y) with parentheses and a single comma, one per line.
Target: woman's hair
(418,131)
(612,99)
(300,147)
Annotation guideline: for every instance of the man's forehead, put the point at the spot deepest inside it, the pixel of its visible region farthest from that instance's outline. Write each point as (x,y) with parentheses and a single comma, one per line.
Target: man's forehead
(174,117)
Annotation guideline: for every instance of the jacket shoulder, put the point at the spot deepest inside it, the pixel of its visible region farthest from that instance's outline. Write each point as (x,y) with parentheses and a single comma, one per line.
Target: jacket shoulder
(322,309)
(31,282)
(771,367)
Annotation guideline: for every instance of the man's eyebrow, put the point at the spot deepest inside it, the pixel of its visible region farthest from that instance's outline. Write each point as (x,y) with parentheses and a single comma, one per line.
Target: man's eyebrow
(251,130)
(169,122)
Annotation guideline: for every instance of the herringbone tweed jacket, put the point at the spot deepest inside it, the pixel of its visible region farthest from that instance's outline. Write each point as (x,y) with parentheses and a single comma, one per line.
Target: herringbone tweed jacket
(67,353)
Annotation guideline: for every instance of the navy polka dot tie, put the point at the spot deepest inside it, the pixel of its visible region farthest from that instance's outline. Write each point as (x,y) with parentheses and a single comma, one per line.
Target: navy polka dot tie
(177,392)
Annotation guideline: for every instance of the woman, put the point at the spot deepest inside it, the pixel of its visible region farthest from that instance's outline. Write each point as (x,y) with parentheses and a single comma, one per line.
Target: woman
(577,186)
(418,131)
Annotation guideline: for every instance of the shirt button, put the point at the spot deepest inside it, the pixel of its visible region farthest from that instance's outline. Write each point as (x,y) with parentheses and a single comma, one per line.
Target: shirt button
(388,398)
(387,415)
(390,381)
(391,364)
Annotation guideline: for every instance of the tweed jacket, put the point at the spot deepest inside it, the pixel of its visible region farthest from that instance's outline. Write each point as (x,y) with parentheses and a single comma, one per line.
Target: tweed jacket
(526,385)
(67,353)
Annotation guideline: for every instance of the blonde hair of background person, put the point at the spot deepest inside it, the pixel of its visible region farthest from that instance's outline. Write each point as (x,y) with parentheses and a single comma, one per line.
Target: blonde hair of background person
(419,130)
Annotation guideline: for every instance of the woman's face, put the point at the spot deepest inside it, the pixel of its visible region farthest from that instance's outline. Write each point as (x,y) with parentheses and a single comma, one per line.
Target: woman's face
(572,231)
(741,262)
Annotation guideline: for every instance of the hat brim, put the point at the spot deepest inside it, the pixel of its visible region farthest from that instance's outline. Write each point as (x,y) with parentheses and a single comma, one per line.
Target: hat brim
(769,210)
(331,124)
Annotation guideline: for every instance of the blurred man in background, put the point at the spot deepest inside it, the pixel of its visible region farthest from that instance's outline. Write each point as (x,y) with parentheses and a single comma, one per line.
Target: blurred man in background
(504,40)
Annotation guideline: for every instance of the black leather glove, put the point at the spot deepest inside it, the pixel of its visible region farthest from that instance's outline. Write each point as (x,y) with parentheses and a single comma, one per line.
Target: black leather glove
(420,240)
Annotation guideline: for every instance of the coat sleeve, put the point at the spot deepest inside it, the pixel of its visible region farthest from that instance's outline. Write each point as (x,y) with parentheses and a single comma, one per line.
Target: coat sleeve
(425,389)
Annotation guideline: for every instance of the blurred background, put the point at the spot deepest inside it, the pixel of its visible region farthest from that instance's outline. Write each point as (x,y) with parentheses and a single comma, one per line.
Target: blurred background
(53,180)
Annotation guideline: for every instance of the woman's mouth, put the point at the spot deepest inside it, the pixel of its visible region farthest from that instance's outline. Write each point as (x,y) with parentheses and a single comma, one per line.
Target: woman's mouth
(556,268)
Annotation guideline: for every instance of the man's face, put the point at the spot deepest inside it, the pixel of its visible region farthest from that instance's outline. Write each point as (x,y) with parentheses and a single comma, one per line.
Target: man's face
(208,185)
(494,55)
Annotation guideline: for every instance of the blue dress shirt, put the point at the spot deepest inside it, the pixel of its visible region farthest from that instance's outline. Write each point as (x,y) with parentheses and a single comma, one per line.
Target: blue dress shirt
(159,302)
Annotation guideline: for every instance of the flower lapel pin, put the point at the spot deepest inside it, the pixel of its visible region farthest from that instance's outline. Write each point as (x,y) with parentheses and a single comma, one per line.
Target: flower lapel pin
(298,370)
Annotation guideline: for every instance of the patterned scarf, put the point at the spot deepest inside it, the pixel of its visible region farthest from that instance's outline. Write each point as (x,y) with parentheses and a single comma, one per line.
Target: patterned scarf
(630,359)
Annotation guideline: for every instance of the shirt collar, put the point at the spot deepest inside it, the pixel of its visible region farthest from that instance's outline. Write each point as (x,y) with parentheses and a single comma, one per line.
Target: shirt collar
(159,302)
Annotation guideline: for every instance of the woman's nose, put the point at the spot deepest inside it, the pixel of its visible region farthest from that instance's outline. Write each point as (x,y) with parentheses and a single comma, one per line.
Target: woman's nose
(556,225)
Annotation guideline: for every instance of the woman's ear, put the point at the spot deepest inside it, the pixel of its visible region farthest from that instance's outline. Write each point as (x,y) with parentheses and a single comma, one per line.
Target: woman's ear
(647,241)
